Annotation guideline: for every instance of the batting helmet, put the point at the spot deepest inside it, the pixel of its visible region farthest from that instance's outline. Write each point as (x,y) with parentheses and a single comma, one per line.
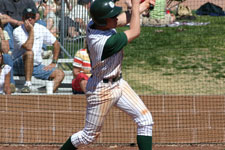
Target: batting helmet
(102,9)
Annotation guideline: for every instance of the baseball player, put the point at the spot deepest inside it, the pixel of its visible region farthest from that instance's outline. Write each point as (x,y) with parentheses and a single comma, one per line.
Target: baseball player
(106,87)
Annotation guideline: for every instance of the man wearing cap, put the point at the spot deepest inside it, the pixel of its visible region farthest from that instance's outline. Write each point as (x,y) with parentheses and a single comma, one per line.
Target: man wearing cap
(11,11)
(11,17)
(27,60)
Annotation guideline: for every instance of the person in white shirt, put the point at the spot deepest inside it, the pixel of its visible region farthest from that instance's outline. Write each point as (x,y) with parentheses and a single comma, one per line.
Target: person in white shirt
(27,59)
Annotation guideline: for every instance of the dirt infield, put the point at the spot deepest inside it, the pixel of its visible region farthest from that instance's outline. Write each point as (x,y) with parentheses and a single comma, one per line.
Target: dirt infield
(115,147)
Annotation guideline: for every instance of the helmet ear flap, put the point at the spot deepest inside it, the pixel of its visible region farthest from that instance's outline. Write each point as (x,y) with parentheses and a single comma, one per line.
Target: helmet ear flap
(100,22)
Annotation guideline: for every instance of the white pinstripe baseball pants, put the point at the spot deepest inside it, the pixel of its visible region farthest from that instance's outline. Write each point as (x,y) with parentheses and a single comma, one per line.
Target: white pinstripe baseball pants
(99,102)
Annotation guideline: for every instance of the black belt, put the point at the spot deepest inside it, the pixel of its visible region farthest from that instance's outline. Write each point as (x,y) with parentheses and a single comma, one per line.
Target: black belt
(112,79)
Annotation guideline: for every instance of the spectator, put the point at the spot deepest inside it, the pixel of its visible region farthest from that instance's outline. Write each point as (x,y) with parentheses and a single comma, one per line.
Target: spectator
(12,15)
(52,13)
(80,14)
(81,71)
(71,28)
(40,5)
(129,6)
(76,21)
(4,76)
(68,5)
(159,16)
(27,53)
(51,16)
(4,46)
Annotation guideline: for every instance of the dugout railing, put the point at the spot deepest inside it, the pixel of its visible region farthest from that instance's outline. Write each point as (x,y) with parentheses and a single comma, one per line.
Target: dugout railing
(50,119)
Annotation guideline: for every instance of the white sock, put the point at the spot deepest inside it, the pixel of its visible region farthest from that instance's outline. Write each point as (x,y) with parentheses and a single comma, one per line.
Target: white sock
(28,83)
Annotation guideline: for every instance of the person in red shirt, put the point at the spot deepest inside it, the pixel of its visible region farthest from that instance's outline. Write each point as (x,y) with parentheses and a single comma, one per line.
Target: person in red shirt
(81,71)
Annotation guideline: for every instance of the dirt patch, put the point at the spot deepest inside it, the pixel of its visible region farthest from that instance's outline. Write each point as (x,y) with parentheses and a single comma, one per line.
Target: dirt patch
(115,147)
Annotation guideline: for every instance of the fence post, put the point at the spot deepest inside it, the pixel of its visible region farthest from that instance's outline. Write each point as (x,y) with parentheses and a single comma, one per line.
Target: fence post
(62,25)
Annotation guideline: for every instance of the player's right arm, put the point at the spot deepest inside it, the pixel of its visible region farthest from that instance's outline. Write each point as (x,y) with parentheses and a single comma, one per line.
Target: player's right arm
(136,10)
(117,41)
(134,30)
(125,17)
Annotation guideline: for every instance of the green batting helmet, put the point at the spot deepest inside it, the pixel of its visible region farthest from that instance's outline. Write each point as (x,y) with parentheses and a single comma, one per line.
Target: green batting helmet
(102,9)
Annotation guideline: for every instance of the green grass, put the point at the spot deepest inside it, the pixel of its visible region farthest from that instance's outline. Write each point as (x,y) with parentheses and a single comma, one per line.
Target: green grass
(185,59)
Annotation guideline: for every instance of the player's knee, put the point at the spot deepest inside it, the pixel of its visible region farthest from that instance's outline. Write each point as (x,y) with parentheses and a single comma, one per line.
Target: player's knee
(145,120)
(145,124)
(145,130)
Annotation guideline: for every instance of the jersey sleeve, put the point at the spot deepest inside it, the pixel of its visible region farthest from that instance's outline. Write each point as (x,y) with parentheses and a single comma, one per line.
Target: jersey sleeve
(114,44)
(49,38)
(7,69)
